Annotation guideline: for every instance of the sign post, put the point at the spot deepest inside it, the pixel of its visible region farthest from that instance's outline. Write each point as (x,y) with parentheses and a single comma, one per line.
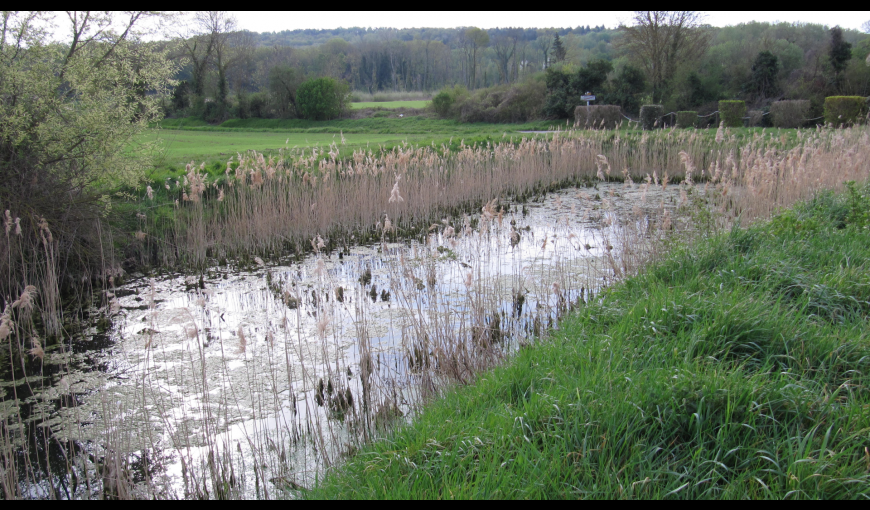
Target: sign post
(588,97)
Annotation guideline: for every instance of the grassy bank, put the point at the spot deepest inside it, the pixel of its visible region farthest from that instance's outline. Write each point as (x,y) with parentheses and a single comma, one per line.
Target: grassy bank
(735,368)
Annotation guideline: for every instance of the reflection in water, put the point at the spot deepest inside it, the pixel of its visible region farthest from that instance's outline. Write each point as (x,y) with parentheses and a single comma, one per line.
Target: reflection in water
(248,381)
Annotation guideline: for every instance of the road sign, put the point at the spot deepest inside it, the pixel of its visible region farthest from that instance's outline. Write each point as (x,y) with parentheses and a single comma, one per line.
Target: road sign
(587,98)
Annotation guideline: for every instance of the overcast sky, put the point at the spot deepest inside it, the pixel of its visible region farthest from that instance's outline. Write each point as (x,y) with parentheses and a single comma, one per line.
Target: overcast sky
(273,21)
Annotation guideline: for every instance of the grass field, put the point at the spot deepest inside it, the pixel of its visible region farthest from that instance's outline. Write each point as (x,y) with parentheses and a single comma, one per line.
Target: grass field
(734,369)
(189,139)
(390,104)
(180,146)
(378,125)
(184,140)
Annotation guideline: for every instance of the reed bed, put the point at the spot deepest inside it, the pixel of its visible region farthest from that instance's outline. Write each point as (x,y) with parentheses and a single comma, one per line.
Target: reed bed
(269,206)
(314,385)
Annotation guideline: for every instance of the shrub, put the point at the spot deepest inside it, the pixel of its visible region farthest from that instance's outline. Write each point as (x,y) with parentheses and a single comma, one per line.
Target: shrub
(790,114)
(258,103)
(756,117)
(686,119)
(243,105)
(213,112)
(446,101)
(651,116)
(322,99)
(597,117)
(844,110)
(732,112)
(520,102)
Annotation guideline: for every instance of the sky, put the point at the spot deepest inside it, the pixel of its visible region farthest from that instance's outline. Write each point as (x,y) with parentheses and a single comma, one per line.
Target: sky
(273,21)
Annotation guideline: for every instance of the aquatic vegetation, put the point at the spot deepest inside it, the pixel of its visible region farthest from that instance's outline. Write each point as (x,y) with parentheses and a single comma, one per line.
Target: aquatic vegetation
(388,280)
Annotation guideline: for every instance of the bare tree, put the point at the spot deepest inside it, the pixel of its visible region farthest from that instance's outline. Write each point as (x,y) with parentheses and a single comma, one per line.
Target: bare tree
(473,40)
(219,28)
(661,41)
(505,45)
(544,42)
(198,47)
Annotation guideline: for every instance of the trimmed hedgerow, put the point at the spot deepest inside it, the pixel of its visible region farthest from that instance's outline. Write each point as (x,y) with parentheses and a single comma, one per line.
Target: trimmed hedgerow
(686,119)
(732,112)
(651,116)
(790,114)
(597,117)
(845,110)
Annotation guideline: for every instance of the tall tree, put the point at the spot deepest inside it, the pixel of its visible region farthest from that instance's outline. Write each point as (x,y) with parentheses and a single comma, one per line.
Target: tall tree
(840,53)
(69,113)
(763,81)
(559,51)
(544,42)
(227,46)
(505,45)
(473,41)
(198,48)
(283,83)
(661,41)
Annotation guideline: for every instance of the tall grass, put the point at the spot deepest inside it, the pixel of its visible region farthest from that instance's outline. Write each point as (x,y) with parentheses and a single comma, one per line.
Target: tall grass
(304,203)
(271,205)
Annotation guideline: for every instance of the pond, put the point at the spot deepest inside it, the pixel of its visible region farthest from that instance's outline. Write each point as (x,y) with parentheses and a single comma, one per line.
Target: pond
(249,380)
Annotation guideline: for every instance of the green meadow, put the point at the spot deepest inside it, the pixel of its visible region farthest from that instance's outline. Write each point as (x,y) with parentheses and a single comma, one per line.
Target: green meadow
(183,140)
(178,146)
(389,104)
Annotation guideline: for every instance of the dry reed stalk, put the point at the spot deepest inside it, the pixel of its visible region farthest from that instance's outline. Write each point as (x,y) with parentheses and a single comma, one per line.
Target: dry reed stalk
(269,202)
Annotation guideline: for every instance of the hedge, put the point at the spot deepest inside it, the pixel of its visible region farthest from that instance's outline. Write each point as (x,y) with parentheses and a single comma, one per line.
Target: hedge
(597,117)
(790,114)
(843,110)
(686,119)
(732,113)
(650,116)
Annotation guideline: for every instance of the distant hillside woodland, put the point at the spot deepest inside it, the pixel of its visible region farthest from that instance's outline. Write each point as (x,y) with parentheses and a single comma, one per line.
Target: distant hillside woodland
(514,74)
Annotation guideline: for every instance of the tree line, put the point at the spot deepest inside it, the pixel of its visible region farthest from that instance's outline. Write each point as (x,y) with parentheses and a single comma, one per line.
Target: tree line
(668,57)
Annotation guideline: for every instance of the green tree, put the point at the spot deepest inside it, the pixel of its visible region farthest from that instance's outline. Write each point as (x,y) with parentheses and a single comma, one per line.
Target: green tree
(322,99)
(68,114)
(180,96)
(763,81)
(565,86)
(284,82)
(626,87)
(544,42)
(559,52)
(840,53)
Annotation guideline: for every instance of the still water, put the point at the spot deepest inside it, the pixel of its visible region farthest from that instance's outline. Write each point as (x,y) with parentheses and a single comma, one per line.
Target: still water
(250,380)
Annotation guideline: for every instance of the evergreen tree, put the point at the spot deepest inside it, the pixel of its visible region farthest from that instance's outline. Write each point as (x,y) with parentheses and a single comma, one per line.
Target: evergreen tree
(558,50)
(841,52)
(762,82)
